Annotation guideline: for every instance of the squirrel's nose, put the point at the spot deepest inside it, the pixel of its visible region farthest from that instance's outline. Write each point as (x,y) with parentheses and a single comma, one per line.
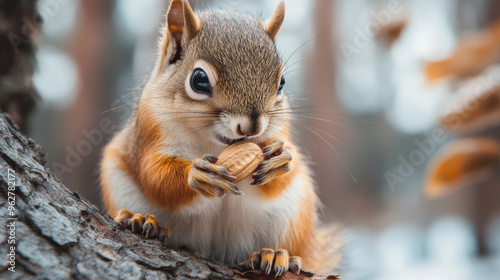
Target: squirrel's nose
(247,126)
(238,129)
(247,130)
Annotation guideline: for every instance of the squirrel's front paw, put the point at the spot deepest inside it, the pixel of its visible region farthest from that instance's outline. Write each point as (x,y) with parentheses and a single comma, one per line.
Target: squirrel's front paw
(146,225)
(276,163)
(278,261)
(211,180)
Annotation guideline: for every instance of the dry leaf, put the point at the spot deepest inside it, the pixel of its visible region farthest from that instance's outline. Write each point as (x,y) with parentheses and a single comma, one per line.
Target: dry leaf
(462,163)
(390,32)
(475,105)
(472,55)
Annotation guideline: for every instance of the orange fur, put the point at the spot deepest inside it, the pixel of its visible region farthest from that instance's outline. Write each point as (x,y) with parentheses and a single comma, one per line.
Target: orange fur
(277,186)
(273,24)
(108,202)
(123,215)
(300,235)
(137,218)
(281,258)
(162,178)
(112,153)
(163,55)
(150,218)
(139,150)
(164,181)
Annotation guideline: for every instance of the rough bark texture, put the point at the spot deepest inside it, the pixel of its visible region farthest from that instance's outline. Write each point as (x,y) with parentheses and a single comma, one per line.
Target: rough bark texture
(60,235)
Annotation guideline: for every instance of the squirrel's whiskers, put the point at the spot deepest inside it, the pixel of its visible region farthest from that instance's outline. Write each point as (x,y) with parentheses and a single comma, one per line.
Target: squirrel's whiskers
(218,80)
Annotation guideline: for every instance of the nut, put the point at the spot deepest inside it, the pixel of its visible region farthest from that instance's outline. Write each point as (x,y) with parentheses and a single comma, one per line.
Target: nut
(241,159)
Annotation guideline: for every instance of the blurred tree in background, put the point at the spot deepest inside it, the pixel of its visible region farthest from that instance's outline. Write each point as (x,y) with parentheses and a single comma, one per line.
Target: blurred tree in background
(19,28)
(94,56)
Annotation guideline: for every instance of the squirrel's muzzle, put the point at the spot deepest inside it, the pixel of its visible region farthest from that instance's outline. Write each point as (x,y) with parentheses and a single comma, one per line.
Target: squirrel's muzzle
(247,126)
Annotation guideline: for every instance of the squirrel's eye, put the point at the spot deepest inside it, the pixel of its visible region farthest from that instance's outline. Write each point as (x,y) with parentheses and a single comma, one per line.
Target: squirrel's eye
(282,84)
(200,82)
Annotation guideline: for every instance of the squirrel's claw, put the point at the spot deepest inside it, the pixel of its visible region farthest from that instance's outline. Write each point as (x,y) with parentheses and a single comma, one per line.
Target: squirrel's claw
(211,180)
(164,235)
(150,226)
(266,260)
(146,225)
(205,164)
(210,158)
(276,164)
(273,149)
(122,217)
(135,223)
(295,264)
(281,262)
(278,261)
(253,262)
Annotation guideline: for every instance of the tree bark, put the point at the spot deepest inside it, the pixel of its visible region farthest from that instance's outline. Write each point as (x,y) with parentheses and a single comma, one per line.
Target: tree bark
(57,234)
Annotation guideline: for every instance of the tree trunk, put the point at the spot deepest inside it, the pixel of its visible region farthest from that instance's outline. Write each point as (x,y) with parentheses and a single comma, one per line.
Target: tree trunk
(53,233)
(19,25)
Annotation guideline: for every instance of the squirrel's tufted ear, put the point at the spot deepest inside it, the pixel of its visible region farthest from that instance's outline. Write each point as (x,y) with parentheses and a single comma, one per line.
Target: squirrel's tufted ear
(182,25)
(273,24)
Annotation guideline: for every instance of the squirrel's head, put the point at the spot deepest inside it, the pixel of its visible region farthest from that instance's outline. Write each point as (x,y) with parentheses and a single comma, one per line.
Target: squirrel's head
(221,73)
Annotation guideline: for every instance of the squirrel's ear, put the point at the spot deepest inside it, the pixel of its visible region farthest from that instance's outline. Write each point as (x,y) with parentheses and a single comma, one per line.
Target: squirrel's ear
(273,24)
(182,25)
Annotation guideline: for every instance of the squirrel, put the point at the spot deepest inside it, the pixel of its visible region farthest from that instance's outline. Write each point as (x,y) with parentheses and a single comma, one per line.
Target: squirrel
(217,80)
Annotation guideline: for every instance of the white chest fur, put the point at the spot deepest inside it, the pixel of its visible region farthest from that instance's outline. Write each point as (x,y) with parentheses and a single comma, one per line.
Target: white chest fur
(226,229)
(229,229)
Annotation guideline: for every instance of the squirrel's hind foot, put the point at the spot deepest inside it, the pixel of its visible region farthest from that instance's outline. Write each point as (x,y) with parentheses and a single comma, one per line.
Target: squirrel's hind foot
(278,261)
(146,225)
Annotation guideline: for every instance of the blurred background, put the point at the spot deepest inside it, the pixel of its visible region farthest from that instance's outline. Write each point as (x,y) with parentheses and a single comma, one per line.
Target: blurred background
(371,82)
